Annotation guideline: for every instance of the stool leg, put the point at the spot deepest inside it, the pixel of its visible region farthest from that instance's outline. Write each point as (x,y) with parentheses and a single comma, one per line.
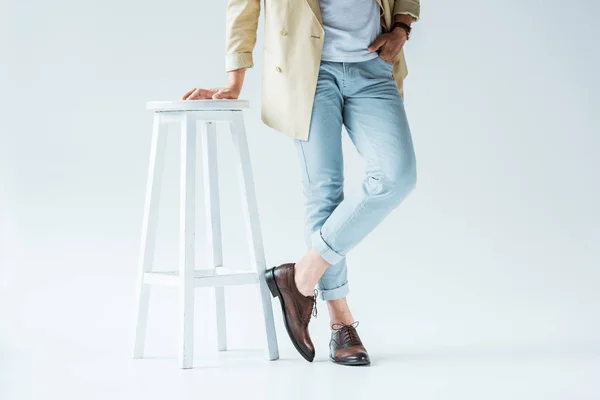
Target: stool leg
(187,219)
(213,220)
(250,207)
(221,324)
(155,169)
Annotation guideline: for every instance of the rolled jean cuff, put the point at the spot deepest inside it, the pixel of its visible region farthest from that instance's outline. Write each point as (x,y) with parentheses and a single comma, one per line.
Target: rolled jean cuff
(334,294)
(331,256)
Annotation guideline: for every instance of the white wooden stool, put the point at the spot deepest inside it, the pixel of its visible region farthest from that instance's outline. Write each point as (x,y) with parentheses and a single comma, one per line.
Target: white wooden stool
(207,113)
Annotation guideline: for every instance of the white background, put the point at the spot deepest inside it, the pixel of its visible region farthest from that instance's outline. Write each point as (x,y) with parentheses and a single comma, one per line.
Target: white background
(483,283)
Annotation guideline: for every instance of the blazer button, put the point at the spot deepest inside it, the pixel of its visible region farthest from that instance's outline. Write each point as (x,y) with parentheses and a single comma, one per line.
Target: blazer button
(283,32)
(278,69)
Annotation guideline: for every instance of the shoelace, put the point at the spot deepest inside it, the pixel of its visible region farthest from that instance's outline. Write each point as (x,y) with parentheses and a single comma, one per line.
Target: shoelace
(314,299)
(313,311)
(348,331)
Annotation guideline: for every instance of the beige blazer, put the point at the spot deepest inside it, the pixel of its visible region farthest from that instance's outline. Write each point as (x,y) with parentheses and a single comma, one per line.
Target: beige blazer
(292,54)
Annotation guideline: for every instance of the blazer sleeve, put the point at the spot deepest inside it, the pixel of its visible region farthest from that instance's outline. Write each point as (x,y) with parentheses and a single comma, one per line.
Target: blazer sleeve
(242,23)
(410,7)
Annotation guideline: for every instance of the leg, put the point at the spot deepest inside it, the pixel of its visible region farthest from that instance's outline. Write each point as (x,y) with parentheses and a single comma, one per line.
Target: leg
(155,169)
(187,221)
(322,167)
(213,220)
(339,312)
(376,122)
(257,253)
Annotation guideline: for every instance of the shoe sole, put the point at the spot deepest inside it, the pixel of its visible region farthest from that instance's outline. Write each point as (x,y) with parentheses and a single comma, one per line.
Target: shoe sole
(274,289)
(351,363)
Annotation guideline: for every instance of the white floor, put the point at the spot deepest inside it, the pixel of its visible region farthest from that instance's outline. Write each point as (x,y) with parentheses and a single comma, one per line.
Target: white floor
(106,375)
(76,345)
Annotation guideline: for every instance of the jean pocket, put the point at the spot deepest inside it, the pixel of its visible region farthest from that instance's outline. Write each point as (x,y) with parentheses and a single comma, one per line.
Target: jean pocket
(387,64)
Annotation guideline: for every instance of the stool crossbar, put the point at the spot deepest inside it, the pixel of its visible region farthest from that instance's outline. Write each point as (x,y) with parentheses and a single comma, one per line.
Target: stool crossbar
(189,114)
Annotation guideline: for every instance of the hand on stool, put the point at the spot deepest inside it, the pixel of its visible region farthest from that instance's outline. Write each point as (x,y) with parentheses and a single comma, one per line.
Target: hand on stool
(230,91)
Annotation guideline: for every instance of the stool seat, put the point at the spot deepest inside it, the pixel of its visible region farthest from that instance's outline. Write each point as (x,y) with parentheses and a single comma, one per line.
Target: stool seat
(197,105)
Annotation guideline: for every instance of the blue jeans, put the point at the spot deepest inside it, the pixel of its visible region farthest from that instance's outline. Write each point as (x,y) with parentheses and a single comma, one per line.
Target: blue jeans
(364,98)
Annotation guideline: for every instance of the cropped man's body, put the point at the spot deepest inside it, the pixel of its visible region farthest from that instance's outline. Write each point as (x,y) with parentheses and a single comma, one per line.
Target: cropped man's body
(328,64)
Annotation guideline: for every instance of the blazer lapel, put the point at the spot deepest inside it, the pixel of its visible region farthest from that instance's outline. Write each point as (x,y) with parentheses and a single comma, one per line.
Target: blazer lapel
(316,9)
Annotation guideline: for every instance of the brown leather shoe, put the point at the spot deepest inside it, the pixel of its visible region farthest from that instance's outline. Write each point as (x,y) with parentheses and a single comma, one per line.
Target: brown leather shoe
(346,347)
(296,307)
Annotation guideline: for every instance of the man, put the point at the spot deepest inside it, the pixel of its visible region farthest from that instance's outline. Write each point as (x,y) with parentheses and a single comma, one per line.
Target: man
(329,63)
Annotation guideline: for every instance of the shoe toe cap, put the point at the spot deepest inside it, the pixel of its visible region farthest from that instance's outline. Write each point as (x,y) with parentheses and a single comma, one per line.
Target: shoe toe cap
(360,358)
